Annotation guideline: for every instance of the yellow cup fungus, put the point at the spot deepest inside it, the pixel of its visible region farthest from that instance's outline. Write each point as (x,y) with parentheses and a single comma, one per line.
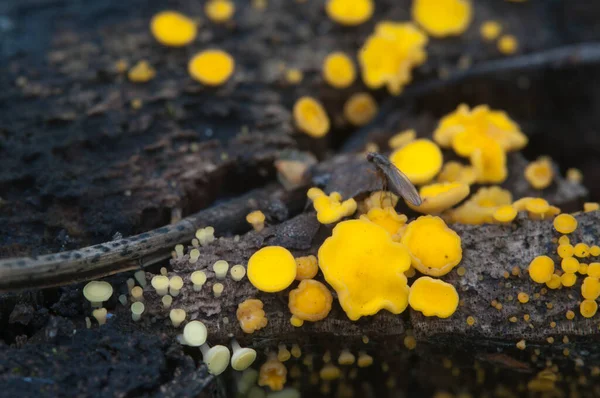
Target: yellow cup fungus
(583,269)
(574,175)
(251,316)
(364,360)
(137,309)
(389,55)
(175,285)
(379,200)
(568,280)
(591,206)
(360,109)
(594,270)
(346,357)
(420,160)
(100,315)
(161,284)
(489,162)
(167,301)
(505,214)
(283,354)
(438,197)
(216,358)
(330,372)
(296,351)
(293,75)
(96,292)
(310,117)
(237,272)
(523,297)
(242,357)
(541,269)
(581,250)
(442,18)
(195,333)
(177,316)
(173,29)
(358,256)
(330,208)
(490,30)
(271,269)
(194,256)
(256,219)
(350,12)
(387,218)
(218,290)
(540,173)
(198,279)
(508,44)
(272,374)
(595,251)
(564,240)
(140,277)
(211,67)
(339,70)
(433,297)
(569,265)
(220,268)
(565,223)
(397,141)
(141,72)
(479,209)
(306,267)
(310,301)
(205,235)
(219,11)
(137,294)
(456,172)
(588,308)
(434,248)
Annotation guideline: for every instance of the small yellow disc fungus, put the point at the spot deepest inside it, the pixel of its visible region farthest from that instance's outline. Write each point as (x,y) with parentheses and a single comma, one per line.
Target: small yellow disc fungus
(490,30)
(565,250)
(440,196)
(570,315)
(175,285)
(537,206)
(570,265)
(574,175)
(489,161)
(296,351)
(173,29)
(242,357)
(195,333)
(161,284)
(272,269)
(505,214)
(177,316)
(360,109)
(220,268)
(591,206)
(434,248)
(420,160)
(100,315)
(211,67)
(346,357)
(256,219)
(306,267)
(402,138)
(443,18)
(590,288)
(137,309)
(218,289)
(364,360)
(508,44)
(293,76)
(564,240)
(296,322)
(219,11)
(521,344)
(470,320)
(137,294)
(310,301)
(380,200)
(594,270)
(330,372)
(595,251)
(216,358)
(540,173)
(581,250)
(141,72)
(237,272)
(97,292)
(541,269)
(198,279)
(568,279)
(555,282)
(272,374)
(251,315)
(350,12)
(310,117)
(339,70)
(330,208)
(588,308)
(456,172)
(387,218)
(283,354)
(358,256)
(583,269)
(433,297)
(565,223)
(523,297)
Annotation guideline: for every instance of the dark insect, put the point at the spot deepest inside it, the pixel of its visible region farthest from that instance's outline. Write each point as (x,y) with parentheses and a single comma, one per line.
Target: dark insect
(398,182)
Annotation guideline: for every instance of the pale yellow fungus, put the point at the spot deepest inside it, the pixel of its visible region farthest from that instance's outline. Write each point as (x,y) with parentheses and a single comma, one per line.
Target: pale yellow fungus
(205,235)
(537,208)
(541,269)
(140,277)
(100,315)
(310,301)
(521,345)
(330,372)
(137,294)
(350,12)
(167,301)
(330,208)
(523,297)
(591,206)
(198,278)
(470,320)
(490,30)
(218,289)
(179,249)
(163,271)
(130,284)
(410,342)
(96,292)
(256,219)
(565,250)
(310,117)
(588,308)
(175,285)
(568,279)
(195,333)
(364,360)
(141,72)
(237,272)
(219,11)
(438,197)
(360,109)
(339,70)
(565,223)
(570,265)
(211,67)
(194,256)
(574,175)
(173,29)
(122,299)
(161,284)
(433,297)
(570,315)
(272,374)
(595,251)
(283,354)
(505,214)
(216,358)
(293,75)
(242,357)
(306,267)
(540,173)
(346,357)
(296,351)
(402,138)
(251,315)
(271,269)
(137,309)
(508,44)
(177,316)
(419,160)
(555,282)
(435,249)
(220,268)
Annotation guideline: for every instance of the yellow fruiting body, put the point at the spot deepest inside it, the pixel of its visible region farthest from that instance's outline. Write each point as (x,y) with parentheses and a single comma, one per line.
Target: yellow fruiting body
(508,44)
(339,70)
(360,109)
(310,117)
(306,267)
(505,214)
(389,55)
(438,197)
(564,240)
(490,30)
(594,270)
(350,12)
(251,316)
(479,209)
(443,18)
(402,138)
(211,67)
(555,282)
(583,269)
(590,288)
(537,208)
(591,206)
(489,161)
(380,200)
(523,297)
(310,301)
(271,269)
(433,297)
(588,308)
(565,250)
(330,372)
(387,218)
(595,251)
(434,248)
(565,223)
(330,208)
(568,279)
(457,172)
(420,160)
(141,72)
(541,269)
(570,315)
(574,175)
(581,250)
(219,11)
(272,374)
(361,255)
(256,219)
(173,29)
(569,265)
(540,173)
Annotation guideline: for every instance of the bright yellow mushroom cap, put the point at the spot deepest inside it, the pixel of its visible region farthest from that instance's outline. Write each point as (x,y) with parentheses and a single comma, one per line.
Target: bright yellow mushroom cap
(339,70)
(590,288)
(306,267)
(565,223)
(350,12)
(541,269)
(310,117)
(457,172)
(219,11)
(440,196)
(433,297)
(504,214)
(272,374)
(310,301)
(434,248)
(211,67)
(540,173)
(141,72)
(508,44)
(489,162)
(360,109)
(588,308)
(251,316)
(568,280)
(420,160)
(569,265)
(173,29)
(366,268)
(442,18)
(387,218)
(555,282)
(271,269)
(331,208)
(490,30)
(479,209)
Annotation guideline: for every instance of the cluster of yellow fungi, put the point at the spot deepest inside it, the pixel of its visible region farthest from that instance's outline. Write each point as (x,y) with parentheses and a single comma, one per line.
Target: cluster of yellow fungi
(330,208)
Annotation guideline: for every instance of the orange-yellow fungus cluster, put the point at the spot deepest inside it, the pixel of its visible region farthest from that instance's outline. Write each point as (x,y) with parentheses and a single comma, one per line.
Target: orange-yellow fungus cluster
(310,301)
(310,117)
(540,173)
(330,208)
(442,18)
(456,172)
(272,374)
(389,55)
(306,267)
(480,208)
(350,12)
(387,218)
(420,160)
(440,196)
(251,316)
(211,67)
